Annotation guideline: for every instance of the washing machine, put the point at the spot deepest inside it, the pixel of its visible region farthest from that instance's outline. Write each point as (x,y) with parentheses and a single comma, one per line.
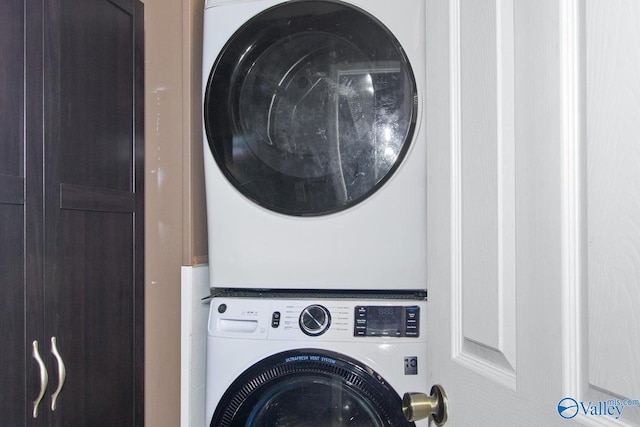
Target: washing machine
(314,144)
(296,362)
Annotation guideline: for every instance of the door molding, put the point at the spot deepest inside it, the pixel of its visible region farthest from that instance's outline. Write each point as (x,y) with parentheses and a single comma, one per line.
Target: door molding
(483,188)
(572,198)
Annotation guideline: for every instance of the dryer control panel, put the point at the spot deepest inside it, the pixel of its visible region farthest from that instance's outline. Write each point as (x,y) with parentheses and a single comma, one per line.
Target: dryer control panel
(386,321)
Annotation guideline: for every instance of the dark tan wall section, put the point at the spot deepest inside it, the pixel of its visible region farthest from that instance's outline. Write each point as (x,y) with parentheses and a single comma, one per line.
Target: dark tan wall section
(175,214)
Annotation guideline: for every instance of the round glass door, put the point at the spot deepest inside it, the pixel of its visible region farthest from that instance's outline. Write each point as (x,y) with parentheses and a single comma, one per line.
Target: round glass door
(310,107)
(309,388)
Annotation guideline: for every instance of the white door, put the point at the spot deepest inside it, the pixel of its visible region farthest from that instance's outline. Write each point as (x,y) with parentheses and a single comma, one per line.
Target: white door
(533,111)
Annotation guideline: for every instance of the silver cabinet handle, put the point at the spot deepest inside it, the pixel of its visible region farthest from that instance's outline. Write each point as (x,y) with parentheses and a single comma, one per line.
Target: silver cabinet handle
(44,378)
(62,372)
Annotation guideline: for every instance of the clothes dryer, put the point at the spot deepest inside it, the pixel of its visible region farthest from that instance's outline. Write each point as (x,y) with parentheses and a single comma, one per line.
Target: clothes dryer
(314,362)
(314,146)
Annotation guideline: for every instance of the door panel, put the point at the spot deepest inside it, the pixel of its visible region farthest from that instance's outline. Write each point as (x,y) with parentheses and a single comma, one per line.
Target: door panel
(609,250)
(533,204)
(94,76)
(483,198)
(11,87)
(92,306)
(93,205)
(493,198)
(13,357)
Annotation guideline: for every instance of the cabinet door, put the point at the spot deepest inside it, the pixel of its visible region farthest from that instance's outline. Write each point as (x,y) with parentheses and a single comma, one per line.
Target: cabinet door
(93,204)
(12,280)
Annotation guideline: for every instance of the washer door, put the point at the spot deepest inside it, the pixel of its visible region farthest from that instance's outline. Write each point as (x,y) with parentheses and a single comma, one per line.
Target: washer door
(309,388)
(310,107)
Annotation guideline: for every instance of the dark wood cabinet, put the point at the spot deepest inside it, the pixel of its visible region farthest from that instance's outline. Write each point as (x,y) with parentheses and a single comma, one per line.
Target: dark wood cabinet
(72,211)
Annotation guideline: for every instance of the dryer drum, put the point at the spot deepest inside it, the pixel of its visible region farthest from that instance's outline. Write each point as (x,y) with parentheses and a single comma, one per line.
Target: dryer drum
(310,107)
(309,387)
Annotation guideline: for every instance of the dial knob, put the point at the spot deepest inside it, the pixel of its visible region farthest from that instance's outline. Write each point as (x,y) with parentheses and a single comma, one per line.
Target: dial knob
(315,320)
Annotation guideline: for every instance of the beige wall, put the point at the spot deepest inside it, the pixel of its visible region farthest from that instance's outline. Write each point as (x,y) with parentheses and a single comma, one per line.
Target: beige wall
(175,218)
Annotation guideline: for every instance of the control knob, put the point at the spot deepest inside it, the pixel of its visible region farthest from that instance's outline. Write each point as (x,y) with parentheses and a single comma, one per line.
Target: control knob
(315,320)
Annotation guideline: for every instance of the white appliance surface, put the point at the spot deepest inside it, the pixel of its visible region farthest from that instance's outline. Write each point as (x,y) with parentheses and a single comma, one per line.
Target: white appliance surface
(194,313)
(240,335)
(378,244)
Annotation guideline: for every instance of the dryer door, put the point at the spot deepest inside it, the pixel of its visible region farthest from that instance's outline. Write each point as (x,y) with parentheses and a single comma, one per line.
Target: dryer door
(309,388)
(310,107)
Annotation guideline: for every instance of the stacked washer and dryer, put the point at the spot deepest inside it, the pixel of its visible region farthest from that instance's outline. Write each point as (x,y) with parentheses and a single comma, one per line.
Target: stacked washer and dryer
(315,166)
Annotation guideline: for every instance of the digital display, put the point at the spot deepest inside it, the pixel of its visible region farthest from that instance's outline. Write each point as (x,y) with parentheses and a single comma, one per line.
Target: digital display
(384,321)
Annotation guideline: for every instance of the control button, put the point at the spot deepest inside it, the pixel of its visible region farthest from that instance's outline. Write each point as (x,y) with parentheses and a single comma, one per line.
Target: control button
(360,330)
(360,327)
(275,319)
(412,328)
